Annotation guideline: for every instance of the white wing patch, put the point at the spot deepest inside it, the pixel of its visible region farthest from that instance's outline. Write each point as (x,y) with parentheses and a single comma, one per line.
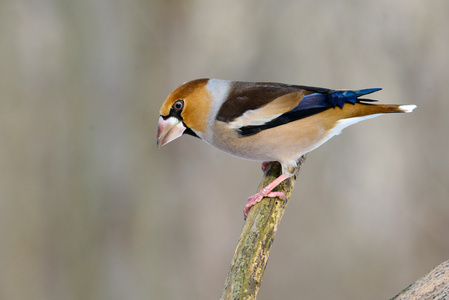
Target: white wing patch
(254,117)
(268,112)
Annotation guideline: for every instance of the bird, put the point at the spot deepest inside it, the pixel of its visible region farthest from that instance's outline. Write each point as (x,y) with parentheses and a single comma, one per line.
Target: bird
(265,121)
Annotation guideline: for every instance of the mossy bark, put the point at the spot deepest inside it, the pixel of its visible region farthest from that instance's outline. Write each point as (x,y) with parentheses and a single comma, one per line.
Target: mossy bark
(251,255)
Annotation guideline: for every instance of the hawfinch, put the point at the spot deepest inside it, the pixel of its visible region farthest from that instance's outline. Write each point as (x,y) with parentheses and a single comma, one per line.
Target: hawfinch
(264,121)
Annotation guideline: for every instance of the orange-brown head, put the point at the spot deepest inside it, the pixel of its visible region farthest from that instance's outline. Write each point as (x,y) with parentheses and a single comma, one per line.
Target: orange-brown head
(186,110)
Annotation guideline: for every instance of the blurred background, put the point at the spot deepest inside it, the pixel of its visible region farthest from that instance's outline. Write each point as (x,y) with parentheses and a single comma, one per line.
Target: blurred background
(91,209)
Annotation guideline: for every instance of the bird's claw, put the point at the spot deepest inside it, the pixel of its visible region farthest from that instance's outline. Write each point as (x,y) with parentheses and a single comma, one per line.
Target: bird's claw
(253,200)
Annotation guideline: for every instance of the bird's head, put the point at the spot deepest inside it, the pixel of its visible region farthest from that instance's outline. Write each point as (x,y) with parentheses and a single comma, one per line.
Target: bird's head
(185,110)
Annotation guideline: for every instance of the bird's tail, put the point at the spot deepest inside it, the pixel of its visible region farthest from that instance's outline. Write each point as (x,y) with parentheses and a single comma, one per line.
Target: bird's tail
(407,108)
(338,98)
(351,114)
(366,109)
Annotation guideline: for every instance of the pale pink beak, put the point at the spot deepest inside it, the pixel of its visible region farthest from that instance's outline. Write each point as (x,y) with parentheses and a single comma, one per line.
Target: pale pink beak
(168,130)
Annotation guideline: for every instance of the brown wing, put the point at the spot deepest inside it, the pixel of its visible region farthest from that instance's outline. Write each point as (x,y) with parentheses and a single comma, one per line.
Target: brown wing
(249,96)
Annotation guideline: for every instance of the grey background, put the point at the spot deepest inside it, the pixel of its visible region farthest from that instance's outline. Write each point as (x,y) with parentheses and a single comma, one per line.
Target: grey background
(91,209)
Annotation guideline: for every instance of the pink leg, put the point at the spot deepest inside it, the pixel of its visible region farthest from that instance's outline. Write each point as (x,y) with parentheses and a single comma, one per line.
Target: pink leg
(265,192)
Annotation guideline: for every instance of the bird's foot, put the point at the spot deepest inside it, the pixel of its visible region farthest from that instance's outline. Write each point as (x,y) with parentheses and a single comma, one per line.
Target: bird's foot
(253,200)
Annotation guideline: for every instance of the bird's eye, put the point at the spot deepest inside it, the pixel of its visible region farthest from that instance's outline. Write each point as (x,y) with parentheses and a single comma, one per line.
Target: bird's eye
(178,105)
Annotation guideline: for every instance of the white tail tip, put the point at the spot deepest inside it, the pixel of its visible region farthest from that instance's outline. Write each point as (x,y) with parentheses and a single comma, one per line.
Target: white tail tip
(407,108)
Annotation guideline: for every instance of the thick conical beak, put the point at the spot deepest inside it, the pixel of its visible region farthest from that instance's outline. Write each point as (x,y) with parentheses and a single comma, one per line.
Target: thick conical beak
(168,130)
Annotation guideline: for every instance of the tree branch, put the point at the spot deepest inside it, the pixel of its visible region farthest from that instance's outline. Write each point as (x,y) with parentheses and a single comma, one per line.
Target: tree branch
(251,255)
(433,285)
